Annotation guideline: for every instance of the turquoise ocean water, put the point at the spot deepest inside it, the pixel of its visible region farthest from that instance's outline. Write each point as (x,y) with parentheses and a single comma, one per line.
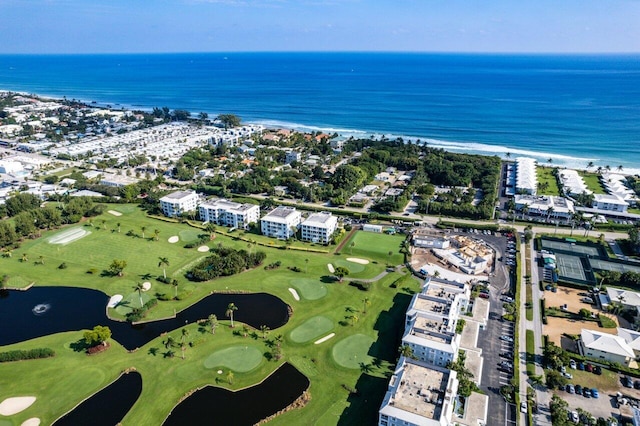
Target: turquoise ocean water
(572,109)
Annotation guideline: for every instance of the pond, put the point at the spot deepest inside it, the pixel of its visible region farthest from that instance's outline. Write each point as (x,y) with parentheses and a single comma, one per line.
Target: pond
(41,311)
(213,405)
(107,407)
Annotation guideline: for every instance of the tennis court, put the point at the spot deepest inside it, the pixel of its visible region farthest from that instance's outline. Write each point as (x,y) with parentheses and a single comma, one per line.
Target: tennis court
(571,247)
(570,267)
(613,266)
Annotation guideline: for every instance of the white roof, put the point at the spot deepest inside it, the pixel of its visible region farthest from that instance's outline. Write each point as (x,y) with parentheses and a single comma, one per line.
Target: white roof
(626,297)
(605,342)
(632,337)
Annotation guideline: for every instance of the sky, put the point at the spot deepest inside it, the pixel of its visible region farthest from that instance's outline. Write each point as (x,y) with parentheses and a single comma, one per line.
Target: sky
(140,26)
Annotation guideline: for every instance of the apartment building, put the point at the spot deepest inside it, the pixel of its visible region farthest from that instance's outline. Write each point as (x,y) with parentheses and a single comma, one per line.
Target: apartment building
(281,222)
(228,213)
(178,202)
(319,227)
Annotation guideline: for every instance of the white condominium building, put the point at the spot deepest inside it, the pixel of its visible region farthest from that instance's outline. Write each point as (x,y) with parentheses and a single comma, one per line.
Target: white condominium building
(419,395)
(526,180)
(280,222)
(179,202)
(319,227)
(227,213)
(609,202)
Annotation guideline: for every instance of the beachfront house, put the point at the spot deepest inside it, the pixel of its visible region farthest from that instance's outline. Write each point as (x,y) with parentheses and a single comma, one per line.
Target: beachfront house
(605,346)
(178,202)
(281,222)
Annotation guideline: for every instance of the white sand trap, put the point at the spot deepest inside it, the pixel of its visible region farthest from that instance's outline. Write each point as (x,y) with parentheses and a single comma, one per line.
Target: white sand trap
(174,239)
(115,213)
(324,339)
(203,249)
(33,421)
(294,293)
(68,236)
(331,268)
(11,406)
(146,286)
(358,260)
(115,299)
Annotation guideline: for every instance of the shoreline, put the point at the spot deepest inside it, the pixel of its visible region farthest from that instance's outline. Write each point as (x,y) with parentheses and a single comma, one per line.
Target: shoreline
(462,147)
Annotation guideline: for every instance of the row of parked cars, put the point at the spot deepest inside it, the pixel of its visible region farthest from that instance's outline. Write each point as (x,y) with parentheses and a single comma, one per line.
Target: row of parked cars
(595,369)
(584,391)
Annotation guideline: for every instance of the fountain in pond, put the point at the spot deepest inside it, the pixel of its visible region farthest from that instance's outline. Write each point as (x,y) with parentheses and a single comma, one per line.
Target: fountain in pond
(40,308)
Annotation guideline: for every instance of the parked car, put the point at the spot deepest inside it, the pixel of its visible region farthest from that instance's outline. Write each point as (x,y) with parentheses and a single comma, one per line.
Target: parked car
(563,369)
(568,375)
(595,393)
(484,295)
(627,382)
(636,384)
(589,368)
(572,364)
(506,338)
(578,389)
(574,416)
(507,299)
(581,366)
(597,370)
(507,355)
(523,407)
(571,389)
(586,392)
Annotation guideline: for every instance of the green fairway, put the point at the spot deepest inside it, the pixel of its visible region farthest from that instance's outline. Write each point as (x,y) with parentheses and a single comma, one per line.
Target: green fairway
(353,267)
(309,289)
(372,246)
(311,329)
(130,301)
(240,359)
(352,351)
(60,383)
(188,235)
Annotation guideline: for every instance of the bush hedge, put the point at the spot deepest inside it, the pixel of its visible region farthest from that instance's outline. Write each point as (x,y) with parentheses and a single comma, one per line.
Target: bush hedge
(20,355)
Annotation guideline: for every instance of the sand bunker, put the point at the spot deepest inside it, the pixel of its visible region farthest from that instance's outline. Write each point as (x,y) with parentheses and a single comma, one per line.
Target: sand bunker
(203,249)
(331,268)
(11,406)
(115,213)
(115,299)
(294,293)
(68,236)
(146,286)
(33,421)
(324,339)
(358,260)
(174,239)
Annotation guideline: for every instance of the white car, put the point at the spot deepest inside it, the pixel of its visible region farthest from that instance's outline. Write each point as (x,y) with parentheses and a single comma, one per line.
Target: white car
(523,407)
(574,416)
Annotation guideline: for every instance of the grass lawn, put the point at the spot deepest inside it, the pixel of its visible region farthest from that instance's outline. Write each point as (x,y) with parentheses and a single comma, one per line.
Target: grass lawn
(310,289)
(311,329)
(531,367)
(592,180)
(544,175)
(606,382)
(240,359)
(354,268)
(369,245)
(529,306)
(61,382)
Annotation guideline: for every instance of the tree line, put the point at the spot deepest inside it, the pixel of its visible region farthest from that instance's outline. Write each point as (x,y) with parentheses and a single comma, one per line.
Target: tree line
(225,261)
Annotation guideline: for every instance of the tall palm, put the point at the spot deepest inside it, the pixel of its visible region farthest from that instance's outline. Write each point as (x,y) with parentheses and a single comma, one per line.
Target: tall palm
(365,302)
(175,283)
(139,287)
(25,257)
(183,341)
(213,323)
(620,168)
(169,342)
(354,319)
(590,165)
(104,224)
(351,246)
(163,263)
(143,228)
(230,377)
(41,260)
(265,330)
(156,232)
(306,266)
(118,225)
(230,310)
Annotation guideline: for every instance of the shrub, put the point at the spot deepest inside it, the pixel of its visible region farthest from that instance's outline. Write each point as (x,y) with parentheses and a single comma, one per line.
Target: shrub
(361,285)
(20,355)
(63,265)
(224,262)
(294,269)
(92,271)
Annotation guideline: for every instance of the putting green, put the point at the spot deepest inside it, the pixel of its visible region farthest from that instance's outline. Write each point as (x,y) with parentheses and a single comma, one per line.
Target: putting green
(125,208)
(309,289)
(130,301)
(237,358)
(311,329)
(351,352)
(353,267)
(188,235)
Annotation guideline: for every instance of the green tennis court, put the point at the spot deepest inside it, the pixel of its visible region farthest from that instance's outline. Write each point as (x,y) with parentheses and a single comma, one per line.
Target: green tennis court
(570,267)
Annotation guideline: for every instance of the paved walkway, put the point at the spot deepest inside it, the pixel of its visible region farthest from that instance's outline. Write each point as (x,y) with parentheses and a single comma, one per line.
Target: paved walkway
(522,339)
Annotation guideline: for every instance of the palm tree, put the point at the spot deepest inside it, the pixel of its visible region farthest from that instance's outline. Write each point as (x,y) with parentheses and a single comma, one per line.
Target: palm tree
(230,310)
(156,232)
(41,260)
(351,246)
(118,225)
(590,165)
(211,229)
(143,228)
(390,254)
(265,330)
(175,283)
(25,258)
(230,377)
(620,168)
(213,323)
(104,224)
(607,168)
(354,319)
(550,160)
(436,274)
(306,266)
(599,170)
(406,351)
(365,302)
(508,155)
(163,263)
(170,342)
(139,287)
(183,338)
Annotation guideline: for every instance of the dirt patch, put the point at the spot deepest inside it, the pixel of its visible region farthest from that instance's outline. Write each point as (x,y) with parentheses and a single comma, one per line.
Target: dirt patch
(569,296)
(557,326)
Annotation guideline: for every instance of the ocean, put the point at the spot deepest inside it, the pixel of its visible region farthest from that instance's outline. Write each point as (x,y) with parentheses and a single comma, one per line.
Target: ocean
(570,109)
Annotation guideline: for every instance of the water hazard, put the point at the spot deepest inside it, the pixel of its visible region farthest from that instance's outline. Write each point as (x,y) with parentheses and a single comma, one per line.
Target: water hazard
(107,407)
(212,405)
(41,311)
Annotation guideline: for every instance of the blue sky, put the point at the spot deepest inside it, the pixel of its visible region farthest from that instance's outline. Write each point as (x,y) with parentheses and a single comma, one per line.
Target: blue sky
(90,26)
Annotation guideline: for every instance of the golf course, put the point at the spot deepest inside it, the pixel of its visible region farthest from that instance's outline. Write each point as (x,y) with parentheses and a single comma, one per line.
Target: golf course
(342,337)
